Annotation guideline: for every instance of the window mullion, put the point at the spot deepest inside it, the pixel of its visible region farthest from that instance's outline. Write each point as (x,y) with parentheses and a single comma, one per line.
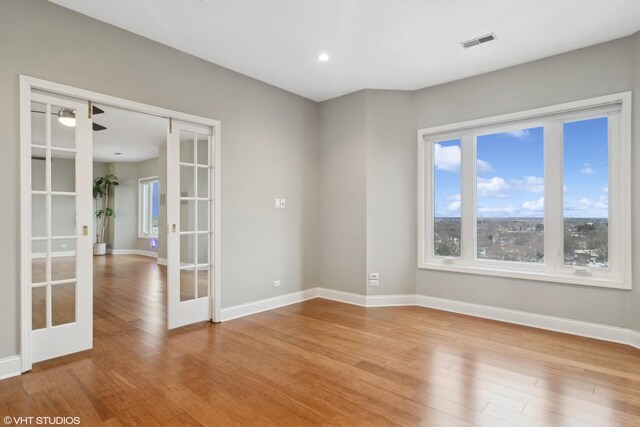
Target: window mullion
(468,198)
(553,196)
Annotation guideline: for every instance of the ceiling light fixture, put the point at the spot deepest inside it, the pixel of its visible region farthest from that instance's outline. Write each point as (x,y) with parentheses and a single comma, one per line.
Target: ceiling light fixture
(67,117)
(117,154)
(323,57)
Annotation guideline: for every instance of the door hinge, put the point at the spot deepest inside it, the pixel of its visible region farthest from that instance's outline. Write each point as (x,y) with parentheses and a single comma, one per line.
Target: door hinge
(90,109)
(170,125)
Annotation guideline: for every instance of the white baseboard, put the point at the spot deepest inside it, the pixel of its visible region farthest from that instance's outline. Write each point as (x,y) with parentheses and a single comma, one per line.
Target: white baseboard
(150,254)
(557,324)
(162,261)
(259,306)
(347,297)
(540,321)
(10,367)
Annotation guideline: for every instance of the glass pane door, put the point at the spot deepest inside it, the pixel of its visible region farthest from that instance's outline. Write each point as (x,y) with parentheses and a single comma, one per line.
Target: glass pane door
(60,255)
(190,242)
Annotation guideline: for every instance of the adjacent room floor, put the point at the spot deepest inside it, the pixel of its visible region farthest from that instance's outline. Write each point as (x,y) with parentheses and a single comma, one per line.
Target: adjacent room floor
(321,362)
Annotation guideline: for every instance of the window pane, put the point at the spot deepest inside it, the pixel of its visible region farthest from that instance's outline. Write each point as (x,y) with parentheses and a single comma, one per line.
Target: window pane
(586,192)
(446,198)
(155,208)
(510,196)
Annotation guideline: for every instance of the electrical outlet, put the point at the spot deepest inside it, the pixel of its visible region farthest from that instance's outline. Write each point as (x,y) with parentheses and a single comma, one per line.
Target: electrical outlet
(278,203)
(374,283)
(276,283)
(283,203)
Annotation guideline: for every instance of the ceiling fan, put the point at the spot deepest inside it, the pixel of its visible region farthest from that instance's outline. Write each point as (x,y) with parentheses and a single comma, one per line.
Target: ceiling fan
(68,117)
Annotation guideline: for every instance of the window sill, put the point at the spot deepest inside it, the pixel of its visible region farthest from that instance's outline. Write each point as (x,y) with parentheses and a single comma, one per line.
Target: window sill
(529,275)
(146,236)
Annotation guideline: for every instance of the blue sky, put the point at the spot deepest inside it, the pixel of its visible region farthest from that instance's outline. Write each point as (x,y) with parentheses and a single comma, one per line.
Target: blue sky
(510,173)
(155,199)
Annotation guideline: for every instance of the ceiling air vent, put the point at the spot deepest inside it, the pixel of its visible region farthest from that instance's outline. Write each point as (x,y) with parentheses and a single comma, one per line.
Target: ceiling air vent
(478,40)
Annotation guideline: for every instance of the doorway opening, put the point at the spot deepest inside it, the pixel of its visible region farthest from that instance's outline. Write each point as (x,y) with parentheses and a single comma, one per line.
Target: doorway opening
(161,222)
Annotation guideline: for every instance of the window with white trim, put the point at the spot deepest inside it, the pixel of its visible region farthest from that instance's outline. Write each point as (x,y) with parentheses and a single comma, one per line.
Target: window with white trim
(149,207)
(541,194)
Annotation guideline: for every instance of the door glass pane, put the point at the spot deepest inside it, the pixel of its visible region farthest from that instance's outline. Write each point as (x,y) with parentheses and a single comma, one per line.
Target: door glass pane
(63,215)
(63,171)
(187,249)
(187,215)
(203,282)
(203,149)
(446,198)
(38,261)
(39,307)
(63,304)
(38,215)
(38,169)
(187,187)
(63,259)
(38,123)
(203,248)
(510,195)
(586,192)
(186,147)
(187,284)
(203,182)
(203,215)
(63,131)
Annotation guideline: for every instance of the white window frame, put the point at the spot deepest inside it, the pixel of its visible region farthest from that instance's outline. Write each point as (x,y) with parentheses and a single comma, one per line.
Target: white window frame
(617,107)
(142,182)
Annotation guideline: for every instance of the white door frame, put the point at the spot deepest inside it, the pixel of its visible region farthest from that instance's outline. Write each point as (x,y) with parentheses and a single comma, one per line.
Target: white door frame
(27,84)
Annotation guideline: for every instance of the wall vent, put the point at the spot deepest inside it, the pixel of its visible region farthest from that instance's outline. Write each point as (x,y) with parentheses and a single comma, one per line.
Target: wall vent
(478,40)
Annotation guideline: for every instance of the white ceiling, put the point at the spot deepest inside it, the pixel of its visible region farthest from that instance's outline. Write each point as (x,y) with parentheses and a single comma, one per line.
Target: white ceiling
(378,44)
(136,136)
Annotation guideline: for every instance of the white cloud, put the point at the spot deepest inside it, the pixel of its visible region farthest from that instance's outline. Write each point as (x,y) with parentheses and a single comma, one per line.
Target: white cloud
(502,210)
(520,133)
(587,170)
(454,207)
(483,167)
(447,158)
(493,187)
(565,188)
(585,203)
(536,205)
(605,190)
(455,204)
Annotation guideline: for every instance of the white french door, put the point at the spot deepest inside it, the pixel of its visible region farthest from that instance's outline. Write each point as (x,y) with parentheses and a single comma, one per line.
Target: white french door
(59,270)
(190,217)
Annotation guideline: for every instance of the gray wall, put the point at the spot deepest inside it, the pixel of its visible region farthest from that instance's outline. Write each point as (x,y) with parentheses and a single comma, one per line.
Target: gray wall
(269,144)
(346,166)
(598,70)
(343,175)
(390,155)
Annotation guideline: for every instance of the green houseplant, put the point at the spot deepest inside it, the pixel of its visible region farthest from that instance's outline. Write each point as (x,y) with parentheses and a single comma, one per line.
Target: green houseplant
(103,188)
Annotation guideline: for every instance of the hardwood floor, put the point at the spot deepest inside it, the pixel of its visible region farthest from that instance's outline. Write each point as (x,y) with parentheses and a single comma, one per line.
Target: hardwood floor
(321,363)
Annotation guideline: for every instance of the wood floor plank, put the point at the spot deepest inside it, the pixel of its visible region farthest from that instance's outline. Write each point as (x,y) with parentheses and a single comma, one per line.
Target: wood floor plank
(321,362)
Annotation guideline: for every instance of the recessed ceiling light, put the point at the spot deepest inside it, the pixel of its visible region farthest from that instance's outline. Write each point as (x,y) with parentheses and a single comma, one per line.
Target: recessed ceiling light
(117,154)
(323,57)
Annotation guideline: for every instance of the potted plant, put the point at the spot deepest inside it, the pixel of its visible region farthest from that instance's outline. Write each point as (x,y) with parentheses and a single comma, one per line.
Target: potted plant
(103,188)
